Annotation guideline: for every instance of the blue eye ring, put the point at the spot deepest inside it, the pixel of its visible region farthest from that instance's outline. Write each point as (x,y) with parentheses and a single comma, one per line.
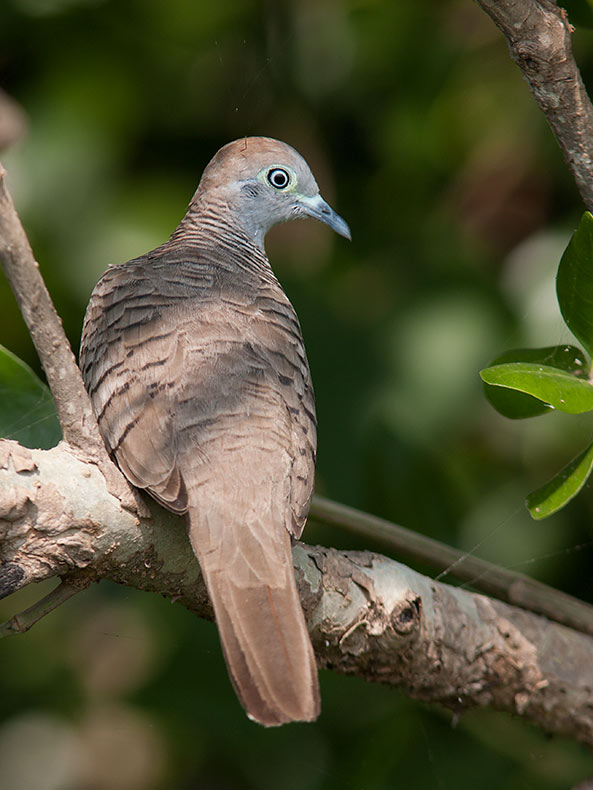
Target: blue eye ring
(278,177)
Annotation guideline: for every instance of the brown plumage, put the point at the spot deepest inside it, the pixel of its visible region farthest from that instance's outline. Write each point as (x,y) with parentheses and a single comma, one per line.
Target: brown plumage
(195,364)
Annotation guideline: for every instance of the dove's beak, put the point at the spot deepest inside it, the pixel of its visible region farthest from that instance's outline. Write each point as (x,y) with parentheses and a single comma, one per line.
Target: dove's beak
(317,208)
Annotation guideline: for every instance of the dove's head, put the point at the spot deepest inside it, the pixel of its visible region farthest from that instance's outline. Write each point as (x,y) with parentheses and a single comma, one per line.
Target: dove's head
(262,182)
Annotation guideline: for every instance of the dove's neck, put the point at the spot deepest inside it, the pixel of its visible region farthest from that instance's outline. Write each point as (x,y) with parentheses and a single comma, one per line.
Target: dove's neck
(214,229)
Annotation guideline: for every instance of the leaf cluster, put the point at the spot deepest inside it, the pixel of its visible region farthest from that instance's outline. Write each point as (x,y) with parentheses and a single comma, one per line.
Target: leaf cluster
(531,382)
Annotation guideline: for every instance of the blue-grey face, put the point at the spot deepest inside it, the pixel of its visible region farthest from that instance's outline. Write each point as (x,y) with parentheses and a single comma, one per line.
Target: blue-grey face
(263,182)
(285,192)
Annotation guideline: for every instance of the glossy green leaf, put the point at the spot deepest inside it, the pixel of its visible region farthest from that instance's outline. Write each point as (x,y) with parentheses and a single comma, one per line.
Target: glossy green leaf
(561,390)
(27,410)
(515,404)
(574,283)
(563,487)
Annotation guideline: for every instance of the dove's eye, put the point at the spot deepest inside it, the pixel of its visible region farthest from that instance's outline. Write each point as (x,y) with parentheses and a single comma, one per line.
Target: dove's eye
(278,178)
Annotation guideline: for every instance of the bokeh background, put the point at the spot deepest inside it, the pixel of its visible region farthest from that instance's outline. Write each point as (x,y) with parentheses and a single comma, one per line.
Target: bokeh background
(424,136)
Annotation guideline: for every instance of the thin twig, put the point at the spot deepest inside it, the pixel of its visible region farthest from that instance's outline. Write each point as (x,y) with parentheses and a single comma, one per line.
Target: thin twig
(19,623)
(502,583)
(538,34)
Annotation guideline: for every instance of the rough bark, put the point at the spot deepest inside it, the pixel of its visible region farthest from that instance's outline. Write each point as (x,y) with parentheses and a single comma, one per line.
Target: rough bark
(502,583)
(368,615)
(538,34)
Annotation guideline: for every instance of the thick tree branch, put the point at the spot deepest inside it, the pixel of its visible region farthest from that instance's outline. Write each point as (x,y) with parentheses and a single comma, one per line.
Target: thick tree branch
(368,615)
(538,35)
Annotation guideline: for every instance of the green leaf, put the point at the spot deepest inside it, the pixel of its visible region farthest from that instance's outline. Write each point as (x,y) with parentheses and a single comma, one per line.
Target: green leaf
(559,389)
(574,283)
(562,488)
(27,410)
(518,405)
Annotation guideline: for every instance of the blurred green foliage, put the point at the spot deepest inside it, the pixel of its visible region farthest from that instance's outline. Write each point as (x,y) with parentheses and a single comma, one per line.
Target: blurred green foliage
(424,137)
(27,410)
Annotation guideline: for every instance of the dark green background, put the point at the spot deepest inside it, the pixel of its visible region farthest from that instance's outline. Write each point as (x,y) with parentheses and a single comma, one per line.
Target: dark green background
(423,135)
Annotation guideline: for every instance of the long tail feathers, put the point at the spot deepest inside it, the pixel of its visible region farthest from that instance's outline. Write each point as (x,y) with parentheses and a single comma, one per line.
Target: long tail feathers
(263,634)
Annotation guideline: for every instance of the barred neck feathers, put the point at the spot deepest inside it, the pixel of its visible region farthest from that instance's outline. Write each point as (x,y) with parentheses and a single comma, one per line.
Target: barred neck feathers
(212,228)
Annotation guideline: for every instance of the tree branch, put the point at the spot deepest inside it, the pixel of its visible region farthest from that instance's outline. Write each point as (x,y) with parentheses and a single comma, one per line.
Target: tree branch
(79,427)
(502,583)
(21,622)
(22,270)
(368,615)
(538,35)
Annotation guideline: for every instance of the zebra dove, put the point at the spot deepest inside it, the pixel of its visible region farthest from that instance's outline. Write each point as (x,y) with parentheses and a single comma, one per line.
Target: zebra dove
(194,360)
